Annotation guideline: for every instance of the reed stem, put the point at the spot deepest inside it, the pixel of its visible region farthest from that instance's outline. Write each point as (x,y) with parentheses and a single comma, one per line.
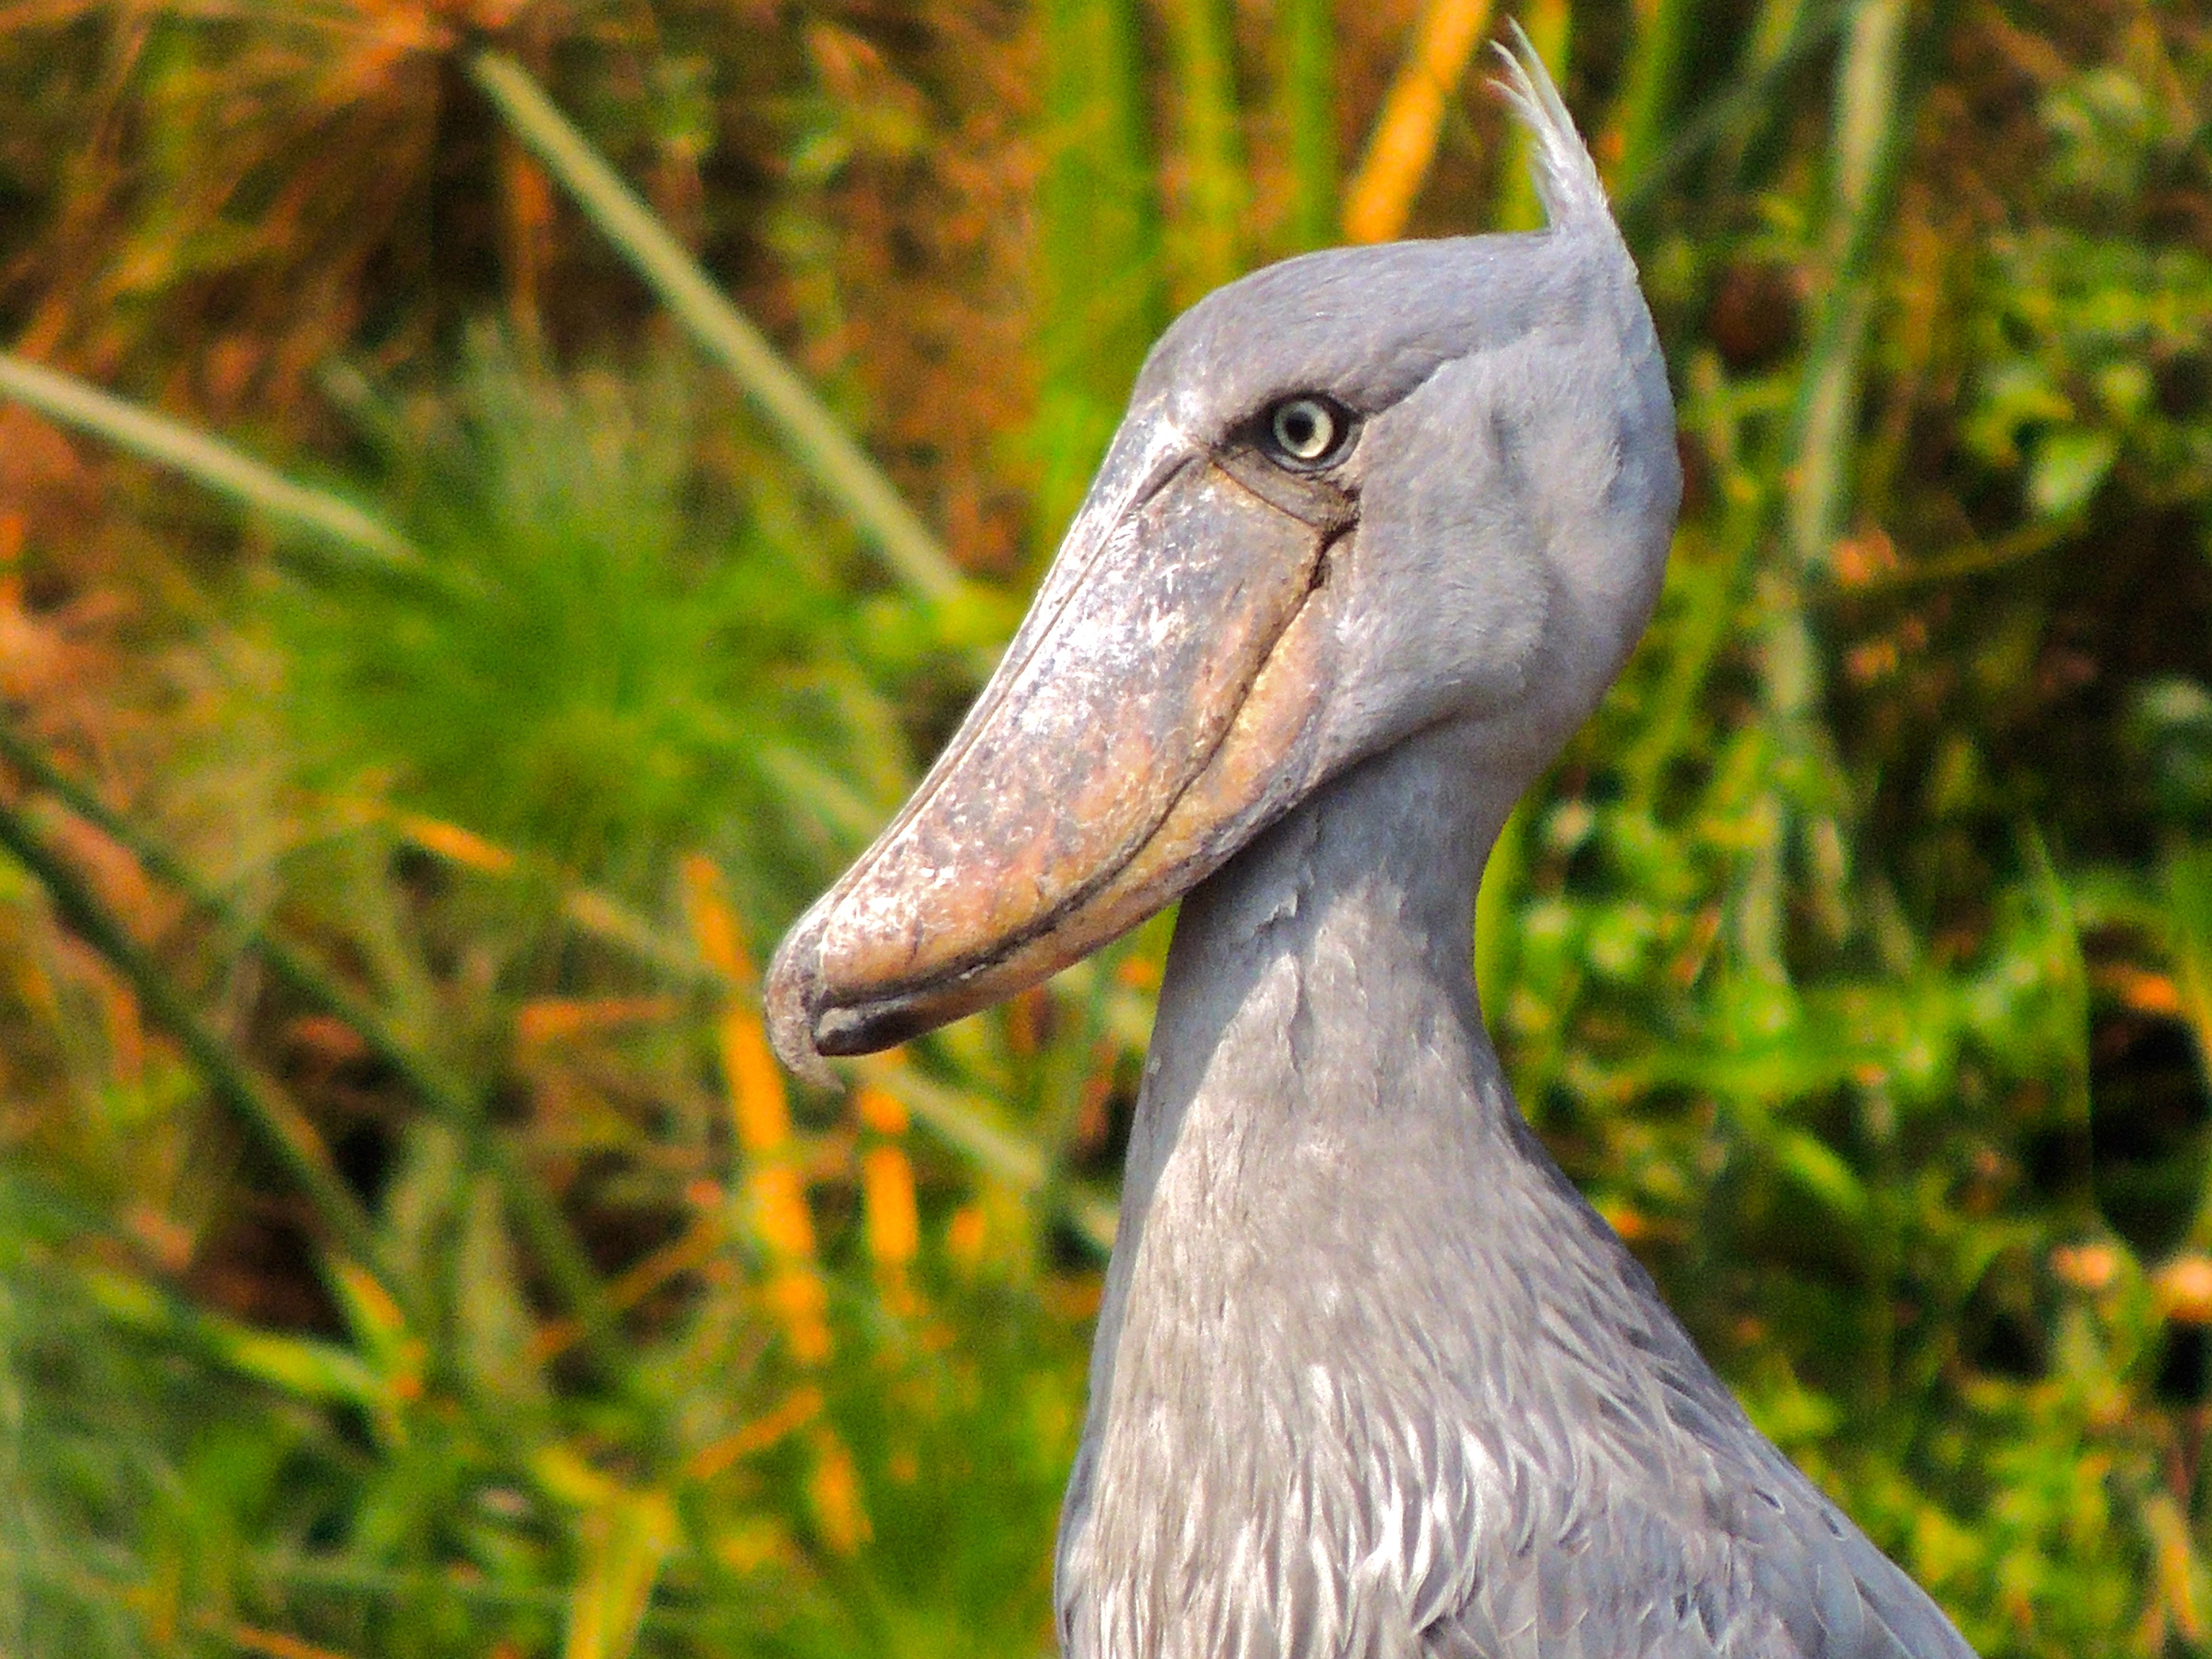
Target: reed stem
(205,459)
(838,464)
(1307,110)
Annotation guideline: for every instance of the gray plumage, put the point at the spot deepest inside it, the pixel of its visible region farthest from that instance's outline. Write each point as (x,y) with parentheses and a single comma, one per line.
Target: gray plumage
(1371,1379)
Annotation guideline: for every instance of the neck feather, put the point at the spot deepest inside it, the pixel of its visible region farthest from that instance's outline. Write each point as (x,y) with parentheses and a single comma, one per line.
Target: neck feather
(1326,1168)
(1347,1270)
(1319,989)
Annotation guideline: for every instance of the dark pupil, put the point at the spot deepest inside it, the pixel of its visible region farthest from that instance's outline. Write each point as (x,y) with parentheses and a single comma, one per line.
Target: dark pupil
(1299,427)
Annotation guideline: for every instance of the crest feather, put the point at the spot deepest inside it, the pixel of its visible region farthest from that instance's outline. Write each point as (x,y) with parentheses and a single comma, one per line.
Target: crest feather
(1566,177)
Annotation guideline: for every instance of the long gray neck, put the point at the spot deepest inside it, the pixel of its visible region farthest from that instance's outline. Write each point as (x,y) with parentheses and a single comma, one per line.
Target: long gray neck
(1363,1347)
(1319,990)
(1348,1278)
(1321,1095)
(1332,1214)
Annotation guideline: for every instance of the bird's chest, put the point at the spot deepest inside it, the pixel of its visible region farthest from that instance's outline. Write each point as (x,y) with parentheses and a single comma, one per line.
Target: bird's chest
(1288,1455)
(1353,1379)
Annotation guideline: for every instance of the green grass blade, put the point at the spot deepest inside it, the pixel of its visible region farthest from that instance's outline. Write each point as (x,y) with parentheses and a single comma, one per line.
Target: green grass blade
(1504,881)
(1866,137)
(269,1119)
(541,1223)
(969,1124)
(837,462)
(1794,36)
(205,460)
(1207,235)
(1100,297)
(1306,99)
(2186,878)
(1662,28)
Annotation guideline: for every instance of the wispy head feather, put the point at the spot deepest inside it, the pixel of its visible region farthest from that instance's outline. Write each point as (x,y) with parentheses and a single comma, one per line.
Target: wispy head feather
(1566,177)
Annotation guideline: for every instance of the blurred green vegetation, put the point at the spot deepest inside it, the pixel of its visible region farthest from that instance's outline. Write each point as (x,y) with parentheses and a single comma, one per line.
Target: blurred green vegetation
(406,1245)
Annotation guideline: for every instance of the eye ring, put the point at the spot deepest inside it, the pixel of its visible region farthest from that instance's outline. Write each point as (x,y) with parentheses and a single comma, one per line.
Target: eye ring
(1306,431)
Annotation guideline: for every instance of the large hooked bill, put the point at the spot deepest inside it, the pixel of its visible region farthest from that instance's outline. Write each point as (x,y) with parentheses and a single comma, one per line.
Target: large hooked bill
(1156,708)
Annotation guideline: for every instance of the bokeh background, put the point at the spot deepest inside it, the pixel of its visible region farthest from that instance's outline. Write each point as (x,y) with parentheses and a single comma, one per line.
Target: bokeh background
(497,499)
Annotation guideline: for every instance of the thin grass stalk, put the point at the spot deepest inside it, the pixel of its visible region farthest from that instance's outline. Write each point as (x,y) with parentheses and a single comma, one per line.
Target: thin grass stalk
(261,1643)
(543,1226)
(1403,144)
(1975,558)
(964,1122)
(776,1201)
(1781,38)
(1870,120)
(627,1539)
(19,1516)
(2175,1618)
(270,1119)
(890,1215)
(774,1208)
(837,464)
(1662,29)
(1866,140)
(205,460)
(1878,83)
(113,1579)
(403,1587)
(1306,108)
(2185,918)
(1791,33)
(1208,235)
(586,909)
(2067,971)
(1100,293)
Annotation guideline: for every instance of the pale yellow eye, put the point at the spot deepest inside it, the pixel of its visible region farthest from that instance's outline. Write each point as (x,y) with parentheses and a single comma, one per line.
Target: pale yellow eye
(1303,429)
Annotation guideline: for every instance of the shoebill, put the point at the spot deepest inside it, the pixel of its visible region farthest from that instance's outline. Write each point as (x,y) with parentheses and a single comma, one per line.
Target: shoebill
(1371,1379)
